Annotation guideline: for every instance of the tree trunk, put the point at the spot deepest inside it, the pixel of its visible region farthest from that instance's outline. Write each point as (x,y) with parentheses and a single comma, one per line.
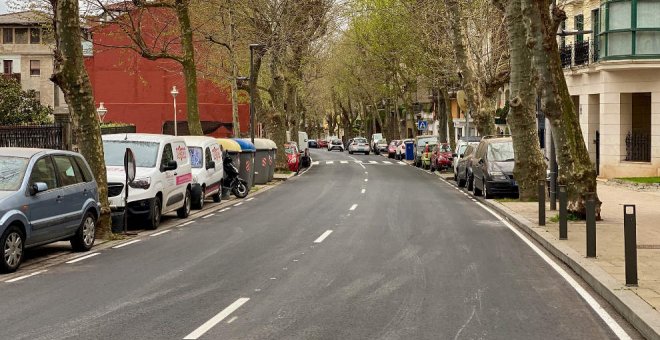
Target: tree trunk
(189,69)
(440,115)
(576,170)
(236,125)
(446,109)
(277,115)
(529,164)
(484,121)
(70,75)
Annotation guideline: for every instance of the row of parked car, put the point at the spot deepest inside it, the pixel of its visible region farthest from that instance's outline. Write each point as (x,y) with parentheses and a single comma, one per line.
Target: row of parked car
(51,195)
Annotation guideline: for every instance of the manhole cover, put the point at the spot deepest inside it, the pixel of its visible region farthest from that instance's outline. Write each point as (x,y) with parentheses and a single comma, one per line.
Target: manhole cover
(648,246)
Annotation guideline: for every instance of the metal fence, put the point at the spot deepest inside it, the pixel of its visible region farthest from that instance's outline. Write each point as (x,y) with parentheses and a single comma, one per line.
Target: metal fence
(32,136)
(579,53)
(638,147)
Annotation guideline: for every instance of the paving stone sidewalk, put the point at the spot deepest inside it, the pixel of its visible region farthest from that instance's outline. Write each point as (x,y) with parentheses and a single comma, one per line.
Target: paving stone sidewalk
(610,242)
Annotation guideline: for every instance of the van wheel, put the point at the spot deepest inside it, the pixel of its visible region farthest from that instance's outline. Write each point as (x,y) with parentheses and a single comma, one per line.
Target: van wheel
(184,211)
(84,238)
(155,214)
(13,244)
(217,197)
(200,201)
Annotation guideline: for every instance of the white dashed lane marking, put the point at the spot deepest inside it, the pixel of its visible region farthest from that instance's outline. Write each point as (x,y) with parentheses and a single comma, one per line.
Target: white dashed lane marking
(126,244)
(82,258)
(25,276)
(216,319)
(323,236)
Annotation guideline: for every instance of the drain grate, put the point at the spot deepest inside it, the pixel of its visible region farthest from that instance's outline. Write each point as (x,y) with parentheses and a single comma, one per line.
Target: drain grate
(648,246)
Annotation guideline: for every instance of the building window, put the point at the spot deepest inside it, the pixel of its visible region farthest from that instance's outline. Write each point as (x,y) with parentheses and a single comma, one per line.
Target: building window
(21,35)
(7,35)
(35,36)
(35,68)
(578,25)
(7,66)
(630,28)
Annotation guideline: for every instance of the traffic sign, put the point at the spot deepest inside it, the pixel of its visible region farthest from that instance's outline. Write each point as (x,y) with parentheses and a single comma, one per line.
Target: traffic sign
(422,125)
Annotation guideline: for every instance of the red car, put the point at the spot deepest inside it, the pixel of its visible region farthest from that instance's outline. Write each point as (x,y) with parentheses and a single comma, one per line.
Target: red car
(292,156)
(391,149)
(441,158)
(323,143)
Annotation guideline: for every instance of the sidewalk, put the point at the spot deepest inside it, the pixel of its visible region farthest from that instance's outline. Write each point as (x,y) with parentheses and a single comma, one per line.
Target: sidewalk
(606,273)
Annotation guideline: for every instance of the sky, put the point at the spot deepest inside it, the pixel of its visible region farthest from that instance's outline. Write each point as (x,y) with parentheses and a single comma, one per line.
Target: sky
(3,7)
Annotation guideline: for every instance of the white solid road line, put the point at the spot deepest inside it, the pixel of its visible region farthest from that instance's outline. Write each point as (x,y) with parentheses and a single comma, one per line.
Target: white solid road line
(323,236)
(238,204)
(82,258)
(364,190)
(161,232)
(353,207)
(607,318)
(216,319)
(25,276)
(209,215)
(125,244)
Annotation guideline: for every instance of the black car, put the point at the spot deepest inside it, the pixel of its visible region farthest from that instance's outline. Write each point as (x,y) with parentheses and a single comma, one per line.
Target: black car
(313,144)
(464,168)
(492,167)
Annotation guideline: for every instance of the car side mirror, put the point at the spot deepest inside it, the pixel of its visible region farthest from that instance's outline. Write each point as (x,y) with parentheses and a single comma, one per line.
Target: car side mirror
(37,188)
(210,165)
(171,165)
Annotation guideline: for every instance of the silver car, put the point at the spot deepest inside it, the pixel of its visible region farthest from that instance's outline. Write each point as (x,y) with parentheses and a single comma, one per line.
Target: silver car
(45,196)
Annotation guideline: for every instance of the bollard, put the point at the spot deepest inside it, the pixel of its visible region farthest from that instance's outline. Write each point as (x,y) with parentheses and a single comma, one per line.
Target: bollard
(591,224)
(630,241)
(563,215)
(541,202)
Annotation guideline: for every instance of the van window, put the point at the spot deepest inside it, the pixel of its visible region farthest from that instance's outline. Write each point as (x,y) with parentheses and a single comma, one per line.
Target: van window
(67,171)
(146,153)
(167,155)
(208,155)
(44,171)
(196,160)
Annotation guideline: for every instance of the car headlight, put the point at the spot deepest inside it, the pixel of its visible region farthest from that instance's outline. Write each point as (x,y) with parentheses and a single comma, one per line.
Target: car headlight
(141,183)
(498,175)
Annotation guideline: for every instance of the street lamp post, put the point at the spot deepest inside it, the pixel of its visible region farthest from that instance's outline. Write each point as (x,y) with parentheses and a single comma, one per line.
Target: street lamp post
(101,111)
(174,93)
(252,88)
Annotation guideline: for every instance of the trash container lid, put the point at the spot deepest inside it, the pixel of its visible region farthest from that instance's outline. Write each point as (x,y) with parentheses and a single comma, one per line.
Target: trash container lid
(259,143)
(271,144)
(245,145)
(409,141)
(230,145)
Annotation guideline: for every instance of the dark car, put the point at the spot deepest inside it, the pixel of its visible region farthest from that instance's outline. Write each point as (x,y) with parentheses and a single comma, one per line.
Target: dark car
(313,144)
(492,167)
(464,168)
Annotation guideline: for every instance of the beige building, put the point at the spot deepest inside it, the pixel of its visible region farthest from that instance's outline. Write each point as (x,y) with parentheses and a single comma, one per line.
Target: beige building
(26,54)
(613,74)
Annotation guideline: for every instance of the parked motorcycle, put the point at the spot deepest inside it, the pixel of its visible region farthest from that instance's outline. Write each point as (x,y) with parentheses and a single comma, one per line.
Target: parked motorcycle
(232,181)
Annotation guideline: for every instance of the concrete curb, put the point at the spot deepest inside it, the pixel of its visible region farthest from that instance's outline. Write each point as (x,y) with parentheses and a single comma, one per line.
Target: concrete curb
(635,310)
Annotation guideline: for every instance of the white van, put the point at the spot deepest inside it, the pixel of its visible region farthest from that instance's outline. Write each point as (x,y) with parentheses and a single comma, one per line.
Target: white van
(303,147)
(206,163)
(163,179)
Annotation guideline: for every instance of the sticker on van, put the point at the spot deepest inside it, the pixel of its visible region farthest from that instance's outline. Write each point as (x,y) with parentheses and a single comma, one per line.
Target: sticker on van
(181,152)
(183,179)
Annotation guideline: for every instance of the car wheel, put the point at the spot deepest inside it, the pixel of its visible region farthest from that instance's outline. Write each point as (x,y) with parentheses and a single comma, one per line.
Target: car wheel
(184,211)
(199,204)
(217,197)
(84,238)
(155,214)
(13,244)
(366,153)
(470,182)
(460,182)
(475,191)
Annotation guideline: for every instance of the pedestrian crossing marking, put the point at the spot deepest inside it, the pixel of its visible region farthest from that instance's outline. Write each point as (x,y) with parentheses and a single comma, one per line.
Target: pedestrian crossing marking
(387,162)
(344,162)
(359,162)
(329,162)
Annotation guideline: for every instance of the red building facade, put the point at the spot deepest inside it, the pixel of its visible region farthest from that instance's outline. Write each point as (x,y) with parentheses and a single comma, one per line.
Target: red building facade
(136,90)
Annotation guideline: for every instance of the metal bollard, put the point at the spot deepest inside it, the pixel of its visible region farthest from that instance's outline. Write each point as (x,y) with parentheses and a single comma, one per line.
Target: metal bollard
(630,241)
(591,225)
(563,214)
(541,202)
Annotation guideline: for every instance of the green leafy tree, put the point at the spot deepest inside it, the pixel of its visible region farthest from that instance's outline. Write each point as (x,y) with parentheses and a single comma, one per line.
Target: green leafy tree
(19,107)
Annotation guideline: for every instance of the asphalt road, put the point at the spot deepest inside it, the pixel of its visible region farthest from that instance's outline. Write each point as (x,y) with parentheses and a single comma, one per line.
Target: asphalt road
(345,251)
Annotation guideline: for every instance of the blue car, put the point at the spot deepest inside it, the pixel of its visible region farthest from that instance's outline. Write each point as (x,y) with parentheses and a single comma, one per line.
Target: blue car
(45,196)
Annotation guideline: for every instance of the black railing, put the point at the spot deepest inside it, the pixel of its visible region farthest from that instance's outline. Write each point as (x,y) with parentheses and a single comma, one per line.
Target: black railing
(32,136)
(638,147)
(579,53)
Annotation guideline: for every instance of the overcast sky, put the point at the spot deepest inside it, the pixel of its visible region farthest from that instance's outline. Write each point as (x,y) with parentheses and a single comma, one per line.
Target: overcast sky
(3,7)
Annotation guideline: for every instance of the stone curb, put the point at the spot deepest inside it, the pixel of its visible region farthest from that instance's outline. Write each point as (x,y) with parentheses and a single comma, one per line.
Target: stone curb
(635,310)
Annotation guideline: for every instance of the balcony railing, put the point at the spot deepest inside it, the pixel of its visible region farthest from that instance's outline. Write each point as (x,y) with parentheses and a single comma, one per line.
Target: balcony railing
(580,53)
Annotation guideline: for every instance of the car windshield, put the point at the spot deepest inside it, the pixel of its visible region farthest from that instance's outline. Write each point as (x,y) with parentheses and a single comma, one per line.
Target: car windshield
(422,141)
(445,148)
(289,150)
(146,153)
(336,142)
(196,157)
(461,149)
(12,170)
(501,152)
(360,140)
